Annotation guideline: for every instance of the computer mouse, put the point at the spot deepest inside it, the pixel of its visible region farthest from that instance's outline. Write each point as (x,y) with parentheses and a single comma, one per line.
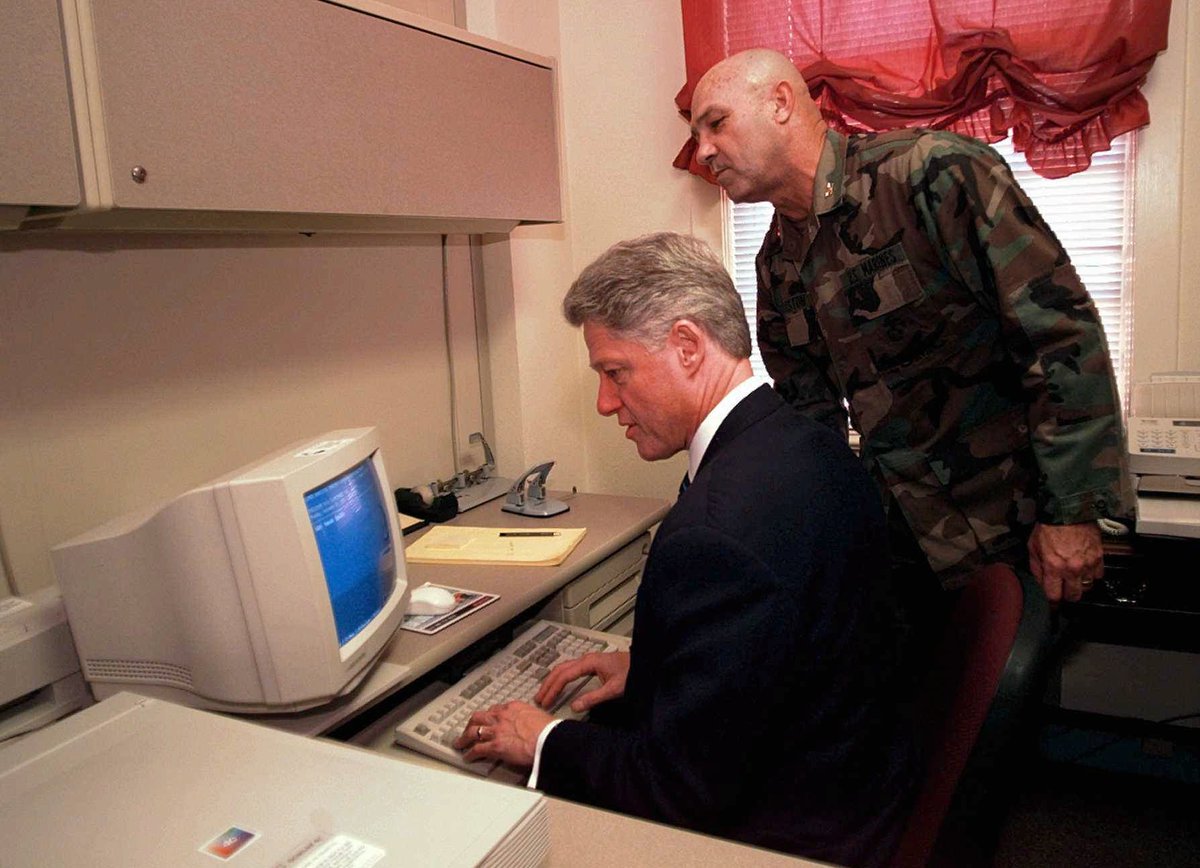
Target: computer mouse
(430,600)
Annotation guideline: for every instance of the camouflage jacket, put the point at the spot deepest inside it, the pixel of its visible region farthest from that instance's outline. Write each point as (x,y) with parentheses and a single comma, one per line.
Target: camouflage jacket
(926,291)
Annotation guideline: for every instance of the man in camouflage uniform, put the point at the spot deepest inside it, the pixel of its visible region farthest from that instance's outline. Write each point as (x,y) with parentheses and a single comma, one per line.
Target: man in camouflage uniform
(907,275)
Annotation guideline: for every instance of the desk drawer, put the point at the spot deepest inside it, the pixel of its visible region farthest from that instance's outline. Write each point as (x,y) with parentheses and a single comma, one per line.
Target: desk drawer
(611,571)
(605,593)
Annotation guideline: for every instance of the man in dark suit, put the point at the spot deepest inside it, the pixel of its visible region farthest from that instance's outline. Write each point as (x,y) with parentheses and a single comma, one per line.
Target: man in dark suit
(752,705)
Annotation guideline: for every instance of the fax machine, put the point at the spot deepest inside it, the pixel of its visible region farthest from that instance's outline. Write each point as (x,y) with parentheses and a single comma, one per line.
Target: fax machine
(1164,454)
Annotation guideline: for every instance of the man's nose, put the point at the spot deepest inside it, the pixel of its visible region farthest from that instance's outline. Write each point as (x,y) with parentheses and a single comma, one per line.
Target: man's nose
(607,401)
(704,150)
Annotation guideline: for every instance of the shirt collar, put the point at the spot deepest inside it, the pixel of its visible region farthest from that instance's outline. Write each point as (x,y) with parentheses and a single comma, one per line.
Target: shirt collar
(830,180)
(708,428)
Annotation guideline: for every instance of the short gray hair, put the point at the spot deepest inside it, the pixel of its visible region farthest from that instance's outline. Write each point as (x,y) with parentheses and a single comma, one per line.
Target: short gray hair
(638,288)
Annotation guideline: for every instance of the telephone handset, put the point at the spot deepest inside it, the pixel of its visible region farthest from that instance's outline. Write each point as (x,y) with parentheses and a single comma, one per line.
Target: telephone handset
(528,494)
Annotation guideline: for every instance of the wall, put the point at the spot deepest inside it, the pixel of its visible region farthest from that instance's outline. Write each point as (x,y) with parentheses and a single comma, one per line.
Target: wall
(137,366)
(620,65)
(1166,278)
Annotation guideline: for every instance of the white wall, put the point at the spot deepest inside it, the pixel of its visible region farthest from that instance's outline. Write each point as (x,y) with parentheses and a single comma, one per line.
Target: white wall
(134,367)
(1166,279)
(620,66)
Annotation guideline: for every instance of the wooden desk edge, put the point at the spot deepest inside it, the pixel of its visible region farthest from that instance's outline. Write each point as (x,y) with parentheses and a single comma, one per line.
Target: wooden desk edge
(586,837)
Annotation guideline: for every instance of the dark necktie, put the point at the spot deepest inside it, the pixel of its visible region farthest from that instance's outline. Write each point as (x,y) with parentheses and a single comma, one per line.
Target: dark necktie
(683,485)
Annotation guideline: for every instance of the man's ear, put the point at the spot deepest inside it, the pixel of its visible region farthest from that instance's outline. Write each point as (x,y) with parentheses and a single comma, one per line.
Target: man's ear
(688,341)
(784,98)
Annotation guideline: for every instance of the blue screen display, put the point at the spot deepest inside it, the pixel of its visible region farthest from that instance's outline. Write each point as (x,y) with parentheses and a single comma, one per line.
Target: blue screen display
(355,543)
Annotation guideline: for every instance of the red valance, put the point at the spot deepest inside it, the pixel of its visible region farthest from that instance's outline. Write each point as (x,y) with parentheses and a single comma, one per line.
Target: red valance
(1063,77)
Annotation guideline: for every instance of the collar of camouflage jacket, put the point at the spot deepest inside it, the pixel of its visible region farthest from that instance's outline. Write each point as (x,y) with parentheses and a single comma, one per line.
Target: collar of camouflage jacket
(830,181)
(829,184)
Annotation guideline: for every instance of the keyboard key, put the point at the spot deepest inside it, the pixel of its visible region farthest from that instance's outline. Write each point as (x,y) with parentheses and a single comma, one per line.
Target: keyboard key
(477,686)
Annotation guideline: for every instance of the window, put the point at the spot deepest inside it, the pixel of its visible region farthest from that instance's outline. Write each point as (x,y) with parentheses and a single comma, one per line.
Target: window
(1091,213)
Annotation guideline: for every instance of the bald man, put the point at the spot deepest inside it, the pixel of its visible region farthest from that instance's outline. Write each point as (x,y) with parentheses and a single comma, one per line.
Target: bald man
(907,277)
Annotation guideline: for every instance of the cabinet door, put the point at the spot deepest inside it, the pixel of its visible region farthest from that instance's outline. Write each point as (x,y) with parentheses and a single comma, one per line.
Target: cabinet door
(305,106)
(37,140)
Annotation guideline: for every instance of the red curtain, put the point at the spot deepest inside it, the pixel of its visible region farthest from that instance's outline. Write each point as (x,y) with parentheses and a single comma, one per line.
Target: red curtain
(1063,77)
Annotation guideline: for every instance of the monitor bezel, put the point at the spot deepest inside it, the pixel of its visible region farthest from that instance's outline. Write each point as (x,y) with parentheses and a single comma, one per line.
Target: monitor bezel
(280,626)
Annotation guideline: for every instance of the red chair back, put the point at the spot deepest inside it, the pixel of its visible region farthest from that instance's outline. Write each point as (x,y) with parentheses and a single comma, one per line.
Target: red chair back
(966,710)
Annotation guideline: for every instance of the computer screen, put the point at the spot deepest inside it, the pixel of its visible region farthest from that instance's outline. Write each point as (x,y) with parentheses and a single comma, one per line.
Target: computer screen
(355,544)
(273,588)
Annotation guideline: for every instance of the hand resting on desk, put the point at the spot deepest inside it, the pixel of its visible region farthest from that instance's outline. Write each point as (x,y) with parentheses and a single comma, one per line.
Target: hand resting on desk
(509,732)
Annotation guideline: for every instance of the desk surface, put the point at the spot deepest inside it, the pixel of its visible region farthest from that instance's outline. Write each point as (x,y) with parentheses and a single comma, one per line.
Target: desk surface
(583,837)
(611,521)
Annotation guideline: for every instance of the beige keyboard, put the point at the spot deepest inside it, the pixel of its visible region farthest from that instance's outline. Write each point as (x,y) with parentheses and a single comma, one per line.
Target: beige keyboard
(513,673)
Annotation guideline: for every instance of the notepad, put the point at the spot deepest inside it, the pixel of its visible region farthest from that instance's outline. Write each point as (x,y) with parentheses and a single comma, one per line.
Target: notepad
(446,544)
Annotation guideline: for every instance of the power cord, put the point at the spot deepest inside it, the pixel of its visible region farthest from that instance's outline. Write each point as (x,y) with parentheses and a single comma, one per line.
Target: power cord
(1112,528)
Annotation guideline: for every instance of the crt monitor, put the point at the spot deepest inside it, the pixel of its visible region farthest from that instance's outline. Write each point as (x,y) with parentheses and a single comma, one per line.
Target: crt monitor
(273,588)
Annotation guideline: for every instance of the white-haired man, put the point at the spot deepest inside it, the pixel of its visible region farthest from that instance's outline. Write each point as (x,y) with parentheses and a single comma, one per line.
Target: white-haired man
(751,705)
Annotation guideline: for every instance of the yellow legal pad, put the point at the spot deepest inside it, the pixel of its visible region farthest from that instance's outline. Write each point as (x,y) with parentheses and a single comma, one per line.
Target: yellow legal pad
(443,544)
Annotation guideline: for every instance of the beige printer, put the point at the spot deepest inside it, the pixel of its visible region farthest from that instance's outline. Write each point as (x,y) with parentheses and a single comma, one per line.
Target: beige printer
(40,679)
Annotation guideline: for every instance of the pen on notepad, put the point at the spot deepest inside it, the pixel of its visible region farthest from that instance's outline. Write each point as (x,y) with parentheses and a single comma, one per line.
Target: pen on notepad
(530,533)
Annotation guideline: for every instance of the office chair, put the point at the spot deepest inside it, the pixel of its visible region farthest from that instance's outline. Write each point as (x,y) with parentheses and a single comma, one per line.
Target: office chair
(989,666)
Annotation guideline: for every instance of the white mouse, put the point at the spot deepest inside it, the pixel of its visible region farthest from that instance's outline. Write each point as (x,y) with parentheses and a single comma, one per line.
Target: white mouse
(430,600)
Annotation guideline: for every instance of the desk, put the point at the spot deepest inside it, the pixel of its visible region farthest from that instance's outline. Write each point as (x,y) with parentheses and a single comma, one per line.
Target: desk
(580,836)
(583,837)
(612,522)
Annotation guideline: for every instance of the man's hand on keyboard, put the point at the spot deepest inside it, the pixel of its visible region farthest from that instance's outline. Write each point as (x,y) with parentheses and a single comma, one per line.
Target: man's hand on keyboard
(493,711)
(507,732)
(610,667)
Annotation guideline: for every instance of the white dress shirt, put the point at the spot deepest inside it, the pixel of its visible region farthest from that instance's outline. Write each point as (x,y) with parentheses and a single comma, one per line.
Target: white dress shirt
(708,428)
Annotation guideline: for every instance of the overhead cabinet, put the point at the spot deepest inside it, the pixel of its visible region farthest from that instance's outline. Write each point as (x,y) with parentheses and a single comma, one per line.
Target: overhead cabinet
(38,162)
(293,114)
